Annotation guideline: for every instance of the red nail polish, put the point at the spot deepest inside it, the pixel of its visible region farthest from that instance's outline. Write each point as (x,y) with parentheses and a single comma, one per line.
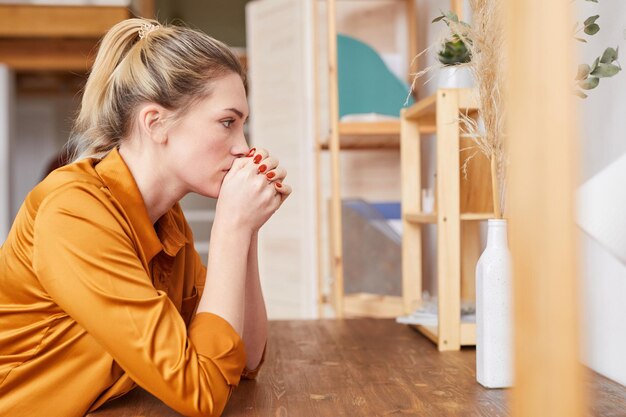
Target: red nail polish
(279,185)
(257,159)
(270,175)
(251,152)
(262,168)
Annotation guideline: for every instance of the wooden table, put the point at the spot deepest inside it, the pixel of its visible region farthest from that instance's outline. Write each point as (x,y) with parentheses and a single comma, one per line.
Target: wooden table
(362,367)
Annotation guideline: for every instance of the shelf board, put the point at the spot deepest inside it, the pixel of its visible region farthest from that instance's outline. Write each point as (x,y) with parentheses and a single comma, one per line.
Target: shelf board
(364,142)
(427,107)
(432,217)
(49,54)
(477,216)
(468,333)
(374,135)
(54,38)
(421,217)
(373,305)
(387,127)
(38,21)
(367,135)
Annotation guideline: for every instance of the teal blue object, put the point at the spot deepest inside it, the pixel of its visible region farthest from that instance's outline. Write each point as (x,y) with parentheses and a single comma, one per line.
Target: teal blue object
(366,85)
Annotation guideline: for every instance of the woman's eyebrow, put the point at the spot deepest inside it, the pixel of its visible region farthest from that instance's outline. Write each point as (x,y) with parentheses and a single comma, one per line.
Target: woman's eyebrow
(237,112)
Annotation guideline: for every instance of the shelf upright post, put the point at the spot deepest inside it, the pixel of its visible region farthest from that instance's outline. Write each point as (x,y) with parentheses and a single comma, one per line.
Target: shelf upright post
(411,203)
(448,220)
(335,205)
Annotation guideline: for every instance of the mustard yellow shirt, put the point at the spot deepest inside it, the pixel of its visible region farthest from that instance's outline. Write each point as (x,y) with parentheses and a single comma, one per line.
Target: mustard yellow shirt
(94,299)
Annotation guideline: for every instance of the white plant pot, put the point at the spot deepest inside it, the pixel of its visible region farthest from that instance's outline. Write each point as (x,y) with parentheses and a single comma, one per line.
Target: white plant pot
(455,77)
(494,304)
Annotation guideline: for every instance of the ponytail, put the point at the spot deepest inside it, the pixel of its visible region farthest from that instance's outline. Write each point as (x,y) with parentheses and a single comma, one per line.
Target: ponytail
(141,61)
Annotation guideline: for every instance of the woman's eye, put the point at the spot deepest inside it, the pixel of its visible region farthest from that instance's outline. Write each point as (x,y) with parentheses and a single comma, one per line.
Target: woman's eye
(227,123)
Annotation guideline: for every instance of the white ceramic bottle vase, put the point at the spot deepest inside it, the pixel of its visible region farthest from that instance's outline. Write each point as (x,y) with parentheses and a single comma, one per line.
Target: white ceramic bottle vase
(494,321)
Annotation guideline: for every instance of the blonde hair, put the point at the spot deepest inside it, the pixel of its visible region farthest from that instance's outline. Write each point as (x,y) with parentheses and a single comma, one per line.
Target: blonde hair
(140,60)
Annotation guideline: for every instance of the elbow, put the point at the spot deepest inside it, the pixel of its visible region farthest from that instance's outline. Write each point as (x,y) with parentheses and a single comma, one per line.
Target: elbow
(209,406)
(208,399)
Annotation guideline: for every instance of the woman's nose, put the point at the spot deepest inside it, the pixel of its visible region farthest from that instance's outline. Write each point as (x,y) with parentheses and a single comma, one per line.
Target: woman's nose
(241,148)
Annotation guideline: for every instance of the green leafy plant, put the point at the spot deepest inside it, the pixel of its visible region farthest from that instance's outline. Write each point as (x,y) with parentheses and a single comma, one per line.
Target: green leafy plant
(604,66)
(454,51)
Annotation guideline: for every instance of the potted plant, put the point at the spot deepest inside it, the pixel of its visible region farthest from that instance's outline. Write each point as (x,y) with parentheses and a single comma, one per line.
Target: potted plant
(454,55)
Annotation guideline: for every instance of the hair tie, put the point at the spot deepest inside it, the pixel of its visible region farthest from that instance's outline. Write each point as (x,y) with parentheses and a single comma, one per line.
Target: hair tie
(146,28)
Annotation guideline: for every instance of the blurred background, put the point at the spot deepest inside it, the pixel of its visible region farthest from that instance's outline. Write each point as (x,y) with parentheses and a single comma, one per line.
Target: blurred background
(46,48)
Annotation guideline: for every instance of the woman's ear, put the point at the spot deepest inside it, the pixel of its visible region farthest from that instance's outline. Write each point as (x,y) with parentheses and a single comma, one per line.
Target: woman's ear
(152,122)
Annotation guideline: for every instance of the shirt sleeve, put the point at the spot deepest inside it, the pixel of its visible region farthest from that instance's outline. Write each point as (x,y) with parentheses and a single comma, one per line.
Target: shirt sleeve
(87,262)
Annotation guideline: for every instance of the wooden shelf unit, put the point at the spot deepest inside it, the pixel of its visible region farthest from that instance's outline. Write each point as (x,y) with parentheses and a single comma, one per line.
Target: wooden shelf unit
(362,136)
(354,136)
(460,204)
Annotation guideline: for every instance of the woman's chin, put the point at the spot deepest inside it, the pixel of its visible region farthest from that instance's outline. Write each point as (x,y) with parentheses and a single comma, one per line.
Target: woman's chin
(211,192)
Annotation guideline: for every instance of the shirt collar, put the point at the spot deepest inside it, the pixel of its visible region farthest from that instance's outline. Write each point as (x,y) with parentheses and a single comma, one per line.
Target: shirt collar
(119,180)
(169,231)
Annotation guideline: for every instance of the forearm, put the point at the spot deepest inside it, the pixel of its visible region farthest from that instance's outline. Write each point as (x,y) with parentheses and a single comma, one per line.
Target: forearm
(225,287)
(255,322)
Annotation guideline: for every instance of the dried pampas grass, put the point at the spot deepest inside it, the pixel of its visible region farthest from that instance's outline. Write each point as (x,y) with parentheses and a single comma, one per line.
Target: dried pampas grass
(485,40)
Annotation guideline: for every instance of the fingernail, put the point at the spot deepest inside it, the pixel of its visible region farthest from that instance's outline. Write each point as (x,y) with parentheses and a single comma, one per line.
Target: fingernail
(251,152)
(257,159)
(270,175)
(279,185)
(262,168)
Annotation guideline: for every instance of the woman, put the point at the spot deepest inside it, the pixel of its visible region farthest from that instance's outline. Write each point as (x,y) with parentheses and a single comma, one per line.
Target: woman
(100,285)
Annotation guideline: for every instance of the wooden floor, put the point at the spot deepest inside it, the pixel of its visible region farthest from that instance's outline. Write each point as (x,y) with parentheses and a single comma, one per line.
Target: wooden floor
(363,367)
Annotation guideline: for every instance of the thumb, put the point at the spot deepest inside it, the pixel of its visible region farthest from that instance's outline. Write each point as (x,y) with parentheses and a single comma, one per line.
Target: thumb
(238,164)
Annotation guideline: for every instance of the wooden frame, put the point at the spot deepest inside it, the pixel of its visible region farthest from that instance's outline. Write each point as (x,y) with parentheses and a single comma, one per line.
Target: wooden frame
(542,138)
(57,38)
(7,97)
(444,107)
(382,135)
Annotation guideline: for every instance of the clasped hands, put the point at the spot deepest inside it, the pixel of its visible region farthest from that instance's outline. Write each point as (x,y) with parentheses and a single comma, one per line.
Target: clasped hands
(253,189)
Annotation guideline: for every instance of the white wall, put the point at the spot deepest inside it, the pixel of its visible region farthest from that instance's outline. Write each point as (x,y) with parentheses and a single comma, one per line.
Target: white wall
(279,39)
(42,126)
(6,124)
(603,127)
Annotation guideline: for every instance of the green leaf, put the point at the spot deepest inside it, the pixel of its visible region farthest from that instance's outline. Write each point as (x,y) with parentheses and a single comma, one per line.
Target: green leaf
(605,70)
(595,64)
(608,56)
(452,16)
(592,1)
(454,52)
(589,83)
(592,29)
(438,19)
(583,72)
(581,40)
(591,20)
(580,94)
